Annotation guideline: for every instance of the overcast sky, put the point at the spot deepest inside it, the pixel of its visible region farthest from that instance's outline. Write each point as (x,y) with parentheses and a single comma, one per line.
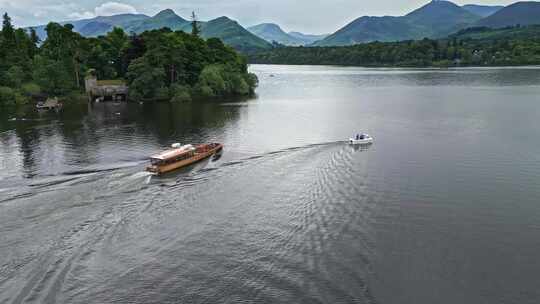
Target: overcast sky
(309,16)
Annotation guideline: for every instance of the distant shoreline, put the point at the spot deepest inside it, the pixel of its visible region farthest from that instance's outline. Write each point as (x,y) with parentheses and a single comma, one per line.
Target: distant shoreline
(536,66)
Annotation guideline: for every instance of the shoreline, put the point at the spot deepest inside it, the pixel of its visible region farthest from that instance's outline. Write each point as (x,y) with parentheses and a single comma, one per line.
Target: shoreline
(391,67)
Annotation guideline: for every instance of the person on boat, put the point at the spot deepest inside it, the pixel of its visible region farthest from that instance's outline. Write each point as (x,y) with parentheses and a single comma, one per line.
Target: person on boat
(357,136)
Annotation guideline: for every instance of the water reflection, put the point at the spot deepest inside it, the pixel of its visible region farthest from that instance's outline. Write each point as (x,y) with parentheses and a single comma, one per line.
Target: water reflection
(290,213)
(360,148)
(106,133)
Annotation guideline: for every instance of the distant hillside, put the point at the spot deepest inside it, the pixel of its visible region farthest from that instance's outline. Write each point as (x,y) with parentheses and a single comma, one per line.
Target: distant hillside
(272,32)
(224,28)
(95,29)
(482,10)
(507,33)
(307,38)
(233,34)
(367,29)
(166,18)
(440,18)
(435,19)
(471,47)
(523,13)
(94,26)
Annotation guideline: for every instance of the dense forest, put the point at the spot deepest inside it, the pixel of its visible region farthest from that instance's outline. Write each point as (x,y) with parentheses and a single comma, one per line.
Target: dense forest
(470,47)
(157,65)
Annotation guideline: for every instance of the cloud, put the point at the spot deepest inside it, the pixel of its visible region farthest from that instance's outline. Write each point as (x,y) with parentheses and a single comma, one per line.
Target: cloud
(78,16)
(105,9)
(114,8)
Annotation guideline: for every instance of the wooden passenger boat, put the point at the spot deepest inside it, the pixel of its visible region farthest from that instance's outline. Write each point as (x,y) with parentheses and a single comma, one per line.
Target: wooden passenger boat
(181,156)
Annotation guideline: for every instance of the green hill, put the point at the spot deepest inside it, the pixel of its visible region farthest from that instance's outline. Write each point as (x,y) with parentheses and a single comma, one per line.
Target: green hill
(367,29)
(522,13)
(501,34)
(482,10)
(233,34)
(166,18)
(95,29)
(470,47)
(307,38)
(224,28)
(435,19)
(96,26)
(440,18)
(272,32)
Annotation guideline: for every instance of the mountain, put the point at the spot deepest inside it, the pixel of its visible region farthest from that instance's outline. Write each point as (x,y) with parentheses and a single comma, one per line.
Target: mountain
(522,13)
(224,28)
(367,29)
(435,19)
(307,38)
(166,18)
(96,26)
(482,10)
(233,34)
(229,31)
(440,18)
(272,32)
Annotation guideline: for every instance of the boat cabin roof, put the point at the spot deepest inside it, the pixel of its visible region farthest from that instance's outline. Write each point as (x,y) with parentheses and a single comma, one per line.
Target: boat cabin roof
(171,154)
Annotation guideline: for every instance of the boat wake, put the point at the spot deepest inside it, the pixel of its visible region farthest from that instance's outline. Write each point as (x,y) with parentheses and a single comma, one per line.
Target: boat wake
(275,215)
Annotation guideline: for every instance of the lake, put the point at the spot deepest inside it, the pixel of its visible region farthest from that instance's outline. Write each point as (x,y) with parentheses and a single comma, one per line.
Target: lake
(444,207)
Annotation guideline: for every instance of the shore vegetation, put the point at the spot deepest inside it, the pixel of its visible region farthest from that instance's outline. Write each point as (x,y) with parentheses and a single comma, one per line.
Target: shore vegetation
(157,65)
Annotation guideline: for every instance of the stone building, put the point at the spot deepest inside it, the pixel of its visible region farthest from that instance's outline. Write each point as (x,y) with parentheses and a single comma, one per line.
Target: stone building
(102,90)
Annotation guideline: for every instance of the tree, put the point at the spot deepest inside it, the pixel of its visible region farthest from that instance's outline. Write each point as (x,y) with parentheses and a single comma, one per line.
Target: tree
(8,32)
(157,64)
(15,76)
(195,29)
(144,79)
(51,76)
(7,44)
(34,40)
(63,46)
(135,48)
(7,96)
(116,42)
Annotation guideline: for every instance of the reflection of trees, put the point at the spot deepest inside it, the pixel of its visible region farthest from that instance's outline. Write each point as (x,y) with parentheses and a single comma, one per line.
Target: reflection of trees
(28,137)
(185,121)
(82,134)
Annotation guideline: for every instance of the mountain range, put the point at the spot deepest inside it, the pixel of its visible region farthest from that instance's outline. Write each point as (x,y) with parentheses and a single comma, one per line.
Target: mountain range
(522,13)
(436,19)
(224,28)
(482,10)
(273,33)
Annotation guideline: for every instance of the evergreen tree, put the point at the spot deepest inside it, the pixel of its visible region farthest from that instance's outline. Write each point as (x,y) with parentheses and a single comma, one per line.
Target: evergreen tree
(8,32)
(195,29)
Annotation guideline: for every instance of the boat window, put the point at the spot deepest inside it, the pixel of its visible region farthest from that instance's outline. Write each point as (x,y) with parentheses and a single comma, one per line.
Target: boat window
(155,161)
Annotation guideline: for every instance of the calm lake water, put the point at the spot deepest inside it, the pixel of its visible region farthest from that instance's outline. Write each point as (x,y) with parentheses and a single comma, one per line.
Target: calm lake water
(443,208)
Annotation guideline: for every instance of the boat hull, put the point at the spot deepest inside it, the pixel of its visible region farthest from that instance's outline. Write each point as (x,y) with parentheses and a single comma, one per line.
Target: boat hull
(368,141)
(162,169)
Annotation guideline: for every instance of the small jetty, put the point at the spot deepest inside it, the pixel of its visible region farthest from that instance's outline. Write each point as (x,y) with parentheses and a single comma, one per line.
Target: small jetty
(49,104)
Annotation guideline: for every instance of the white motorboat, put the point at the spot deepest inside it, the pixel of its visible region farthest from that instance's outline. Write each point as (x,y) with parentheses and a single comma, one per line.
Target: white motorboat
(361,139)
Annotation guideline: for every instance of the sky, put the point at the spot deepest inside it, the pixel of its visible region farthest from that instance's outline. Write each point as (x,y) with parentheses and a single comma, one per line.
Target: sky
(308,16)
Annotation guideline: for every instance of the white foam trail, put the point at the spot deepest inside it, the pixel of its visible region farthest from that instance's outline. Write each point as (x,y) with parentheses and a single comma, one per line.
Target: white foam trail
(143,175)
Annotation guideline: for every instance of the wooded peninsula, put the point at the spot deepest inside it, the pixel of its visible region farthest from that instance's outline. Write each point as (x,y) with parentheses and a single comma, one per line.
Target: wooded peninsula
(480,46)
(156,65)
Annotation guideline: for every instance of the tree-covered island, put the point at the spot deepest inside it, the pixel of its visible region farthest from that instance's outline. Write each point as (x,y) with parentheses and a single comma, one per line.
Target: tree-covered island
(156,65)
